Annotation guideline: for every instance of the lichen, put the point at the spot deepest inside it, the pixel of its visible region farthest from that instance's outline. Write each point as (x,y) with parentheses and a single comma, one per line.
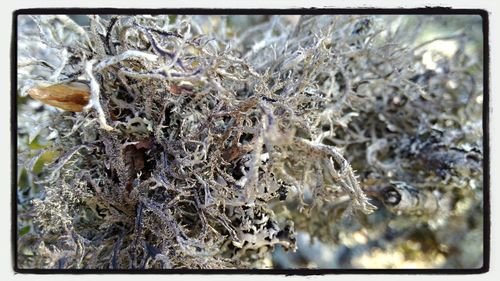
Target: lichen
(207,143)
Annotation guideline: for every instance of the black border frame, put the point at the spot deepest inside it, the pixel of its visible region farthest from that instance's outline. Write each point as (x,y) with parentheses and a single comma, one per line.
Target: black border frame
(296,11)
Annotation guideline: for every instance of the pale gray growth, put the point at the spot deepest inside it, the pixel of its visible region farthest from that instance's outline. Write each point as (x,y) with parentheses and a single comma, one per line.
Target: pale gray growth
(215,141)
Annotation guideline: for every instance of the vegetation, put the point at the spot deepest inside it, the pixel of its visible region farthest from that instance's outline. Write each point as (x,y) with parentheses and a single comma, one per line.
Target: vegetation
(218,141)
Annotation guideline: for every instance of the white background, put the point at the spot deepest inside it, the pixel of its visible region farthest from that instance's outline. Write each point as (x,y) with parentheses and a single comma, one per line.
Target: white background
(8,6)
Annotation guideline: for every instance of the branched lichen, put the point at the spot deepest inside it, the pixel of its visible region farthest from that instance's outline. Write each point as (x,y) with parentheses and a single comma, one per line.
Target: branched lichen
(205,144)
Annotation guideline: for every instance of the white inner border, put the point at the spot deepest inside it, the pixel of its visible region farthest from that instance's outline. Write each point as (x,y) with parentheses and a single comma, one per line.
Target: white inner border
(8,6)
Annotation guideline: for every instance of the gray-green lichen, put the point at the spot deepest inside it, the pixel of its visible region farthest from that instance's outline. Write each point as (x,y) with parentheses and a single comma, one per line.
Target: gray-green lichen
(209,141)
